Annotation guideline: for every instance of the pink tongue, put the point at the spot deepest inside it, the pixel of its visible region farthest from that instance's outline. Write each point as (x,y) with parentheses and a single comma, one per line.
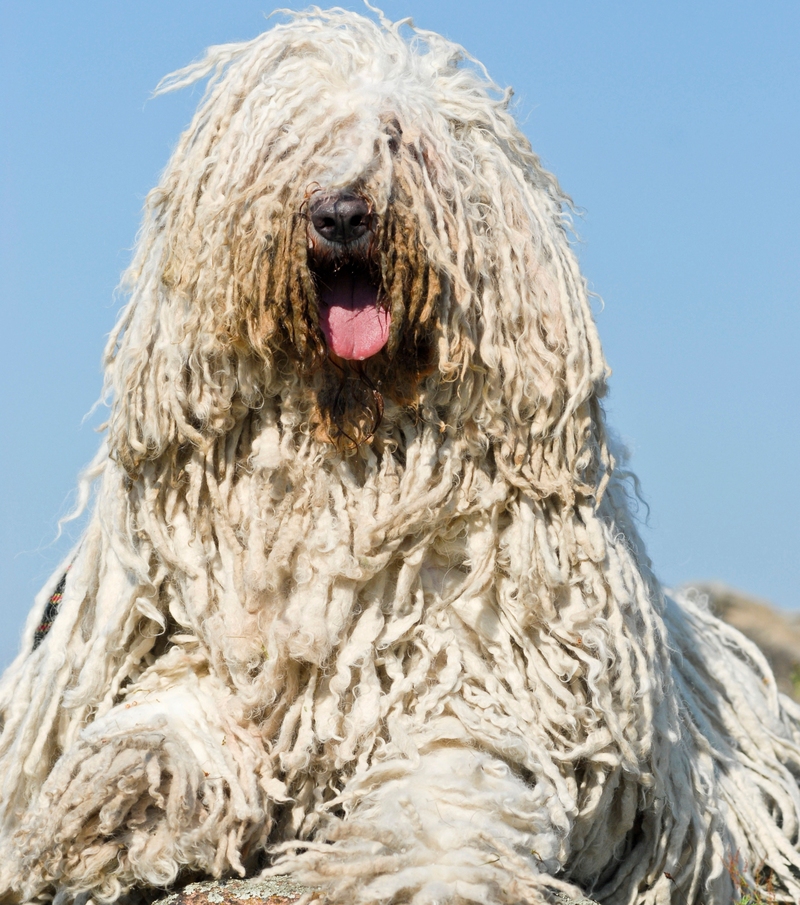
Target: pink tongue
(354,326)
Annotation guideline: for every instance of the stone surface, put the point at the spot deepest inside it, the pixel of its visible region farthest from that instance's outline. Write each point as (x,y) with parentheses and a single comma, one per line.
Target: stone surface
(273,891)
(563,899)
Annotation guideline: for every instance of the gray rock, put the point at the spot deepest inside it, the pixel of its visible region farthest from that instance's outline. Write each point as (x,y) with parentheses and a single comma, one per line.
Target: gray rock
(272,891)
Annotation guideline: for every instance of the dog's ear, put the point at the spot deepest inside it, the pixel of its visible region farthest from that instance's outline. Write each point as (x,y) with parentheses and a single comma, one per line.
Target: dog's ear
(520,362)
(544,370)
(178,373)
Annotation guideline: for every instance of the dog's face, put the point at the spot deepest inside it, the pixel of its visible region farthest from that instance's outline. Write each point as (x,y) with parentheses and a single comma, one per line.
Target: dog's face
(357,263)
(368,300)
(359,231)
(350,301)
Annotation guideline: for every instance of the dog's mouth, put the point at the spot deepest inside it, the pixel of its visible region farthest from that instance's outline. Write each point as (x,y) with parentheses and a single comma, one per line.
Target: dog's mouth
(353,321)
(353,315)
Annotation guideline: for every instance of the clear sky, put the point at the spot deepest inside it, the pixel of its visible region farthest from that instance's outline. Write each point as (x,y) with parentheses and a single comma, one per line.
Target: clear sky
(674,126)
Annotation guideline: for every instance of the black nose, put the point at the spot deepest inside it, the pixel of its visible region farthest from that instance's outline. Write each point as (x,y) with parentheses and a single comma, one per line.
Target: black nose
(340,217)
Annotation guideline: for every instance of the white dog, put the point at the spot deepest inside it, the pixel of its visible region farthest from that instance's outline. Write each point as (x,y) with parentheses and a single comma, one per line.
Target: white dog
(361,599)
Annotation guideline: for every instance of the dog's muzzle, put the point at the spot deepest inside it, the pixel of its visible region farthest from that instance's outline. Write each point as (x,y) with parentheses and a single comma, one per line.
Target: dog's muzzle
(341,238)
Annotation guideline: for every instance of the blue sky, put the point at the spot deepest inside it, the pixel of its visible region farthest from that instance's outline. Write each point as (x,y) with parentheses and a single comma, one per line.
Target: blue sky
(675,128)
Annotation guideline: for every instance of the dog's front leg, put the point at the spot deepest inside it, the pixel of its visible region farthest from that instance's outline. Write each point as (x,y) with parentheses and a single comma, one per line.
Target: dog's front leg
(164,782)
(454,825)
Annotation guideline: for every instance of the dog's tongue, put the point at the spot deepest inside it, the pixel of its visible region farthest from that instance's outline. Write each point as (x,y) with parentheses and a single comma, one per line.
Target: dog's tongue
(354,325)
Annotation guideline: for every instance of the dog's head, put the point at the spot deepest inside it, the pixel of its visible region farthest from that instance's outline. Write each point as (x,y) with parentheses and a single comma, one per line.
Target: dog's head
(354,225)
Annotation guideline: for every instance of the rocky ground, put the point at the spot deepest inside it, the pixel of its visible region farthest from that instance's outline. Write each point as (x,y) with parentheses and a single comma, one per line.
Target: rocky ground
(275,891)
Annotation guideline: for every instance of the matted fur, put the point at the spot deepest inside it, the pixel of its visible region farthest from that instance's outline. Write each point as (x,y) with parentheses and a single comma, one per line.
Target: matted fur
(398,638)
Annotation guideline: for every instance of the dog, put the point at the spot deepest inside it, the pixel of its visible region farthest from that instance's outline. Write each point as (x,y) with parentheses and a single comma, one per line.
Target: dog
(361,597)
